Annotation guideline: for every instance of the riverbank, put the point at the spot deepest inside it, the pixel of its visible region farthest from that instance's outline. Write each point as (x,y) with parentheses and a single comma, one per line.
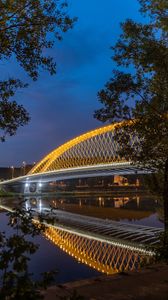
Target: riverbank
(150,283)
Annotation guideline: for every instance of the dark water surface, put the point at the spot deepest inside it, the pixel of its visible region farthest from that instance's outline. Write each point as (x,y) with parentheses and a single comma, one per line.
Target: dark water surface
(136,209)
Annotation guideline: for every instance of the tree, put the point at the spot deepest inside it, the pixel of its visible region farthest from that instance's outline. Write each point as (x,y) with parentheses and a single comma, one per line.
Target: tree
(138,96)
(27,29)
(16,249)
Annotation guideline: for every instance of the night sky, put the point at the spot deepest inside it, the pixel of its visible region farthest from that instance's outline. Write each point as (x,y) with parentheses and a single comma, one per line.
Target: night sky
(62,106)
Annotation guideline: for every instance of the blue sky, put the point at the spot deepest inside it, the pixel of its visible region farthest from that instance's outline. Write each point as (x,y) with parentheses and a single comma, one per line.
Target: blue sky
(62,106)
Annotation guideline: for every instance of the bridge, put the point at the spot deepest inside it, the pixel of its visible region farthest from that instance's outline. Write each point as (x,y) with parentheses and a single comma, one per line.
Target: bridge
(93,154)
(105,245)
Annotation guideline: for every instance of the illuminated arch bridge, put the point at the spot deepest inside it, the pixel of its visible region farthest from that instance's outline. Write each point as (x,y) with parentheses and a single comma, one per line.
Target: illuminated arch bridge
(91,154)
(92,148)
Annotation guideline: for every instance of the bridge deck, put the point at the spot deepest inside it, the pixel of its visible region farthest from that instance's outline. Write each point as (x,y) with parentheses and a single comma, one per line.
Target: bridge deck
(108,169)
(136,234)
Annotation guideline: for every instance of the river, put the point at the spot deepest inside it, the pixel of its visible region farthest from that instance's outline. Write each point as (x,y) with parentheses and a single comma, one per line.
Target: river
(129,208)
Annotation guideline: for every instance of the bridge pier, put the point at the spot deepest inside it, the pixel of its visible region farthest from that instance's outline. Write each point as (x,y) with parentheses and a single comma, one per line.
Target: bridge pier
(32,188)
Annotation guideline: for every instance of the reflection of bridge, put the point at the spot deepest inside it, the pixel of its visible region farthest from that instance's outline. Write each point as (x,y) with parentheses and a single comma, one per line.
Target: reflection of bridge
(134,237)
(93,154)
(105,245)
(102,256)
(103,253)
(74,231)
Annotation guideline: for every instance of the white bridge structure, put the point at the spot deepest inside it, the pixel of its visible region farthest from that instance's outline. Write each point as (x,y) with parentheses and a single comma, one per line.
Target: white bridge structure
(93,154)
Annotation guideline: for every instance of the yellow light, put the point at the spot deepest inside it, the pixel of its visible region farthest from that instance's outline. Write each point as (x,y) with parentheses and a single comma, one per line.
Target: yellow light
(71,154)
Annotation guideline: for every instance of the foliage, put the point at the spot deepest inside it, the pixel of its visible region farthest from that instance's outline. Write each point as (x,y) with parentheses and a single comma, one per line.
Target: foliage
(155,183)
(27,29)
(161,249)
(139,96)
(15,280)
(12,115)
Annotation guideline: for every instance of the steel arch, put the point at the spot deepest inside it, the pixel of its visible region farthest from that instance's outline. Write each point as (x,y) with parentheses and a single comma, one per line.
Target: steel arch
(94,147)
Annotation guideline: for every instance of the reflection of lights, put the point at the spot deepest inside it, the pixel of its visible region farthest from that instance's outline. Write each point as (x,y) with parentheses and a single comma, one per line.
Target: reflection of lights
(26,204)
(26,184)
(40,205)
(91,254)
(40,184)
(101,201)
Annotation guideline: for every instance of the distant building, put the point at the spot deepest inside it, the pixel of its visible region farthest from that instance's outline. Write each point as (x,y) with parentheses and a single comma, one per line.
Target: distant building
(12,172)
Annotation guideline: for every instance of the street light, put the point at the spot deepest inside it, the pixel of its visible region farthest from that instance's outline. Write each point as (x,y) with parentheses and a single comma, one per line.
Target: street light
(24,167)
(12,171)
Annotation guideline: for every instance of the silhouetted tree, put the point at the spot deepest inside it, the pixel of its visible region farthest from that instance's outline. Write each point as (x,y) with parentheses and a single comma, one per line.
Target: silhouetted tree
(16,281)
(27,29)
(138,96)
